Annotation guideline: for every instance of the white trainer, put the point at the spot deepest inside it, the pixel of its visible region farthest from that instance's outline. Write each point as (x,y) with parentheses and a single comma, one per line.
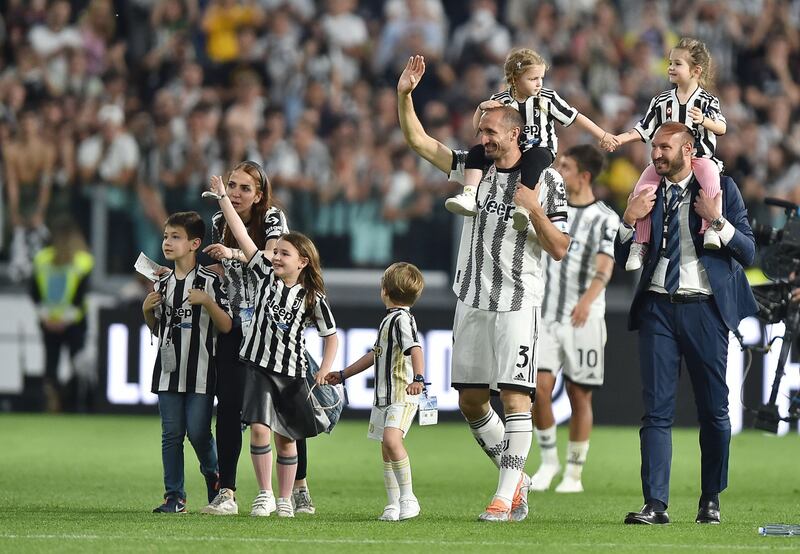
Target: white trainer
(390,513)
(464,203)
(263,504)
(301,502)
(569,484)
(520,218)
(409,507)
(540,481)
(283,507)
(636,256)
(519,505)
(224,504)
(711,240)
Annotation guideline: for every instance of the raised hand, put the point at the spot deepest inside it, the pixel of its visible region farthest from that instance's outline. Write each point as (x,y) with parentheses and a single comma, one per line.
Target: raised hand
(219,251)
(217,185)
(413,72)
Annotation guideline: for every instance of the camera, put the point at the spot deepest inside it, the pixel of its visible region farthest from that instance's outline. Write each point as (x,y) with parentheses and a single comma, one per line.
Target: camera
(780,261)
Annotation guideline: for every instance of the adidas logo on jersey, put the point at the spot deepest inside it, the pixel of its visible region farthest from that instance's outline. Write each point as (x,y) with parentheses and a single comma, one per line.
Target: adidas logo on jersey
(519,377)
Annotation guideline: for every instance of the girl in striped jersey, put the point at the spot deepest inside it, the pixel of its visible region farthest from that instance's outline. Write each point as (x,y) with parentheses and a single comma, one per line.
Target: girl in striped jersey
(186,310)
(690,103)
(289,296)
(540,108)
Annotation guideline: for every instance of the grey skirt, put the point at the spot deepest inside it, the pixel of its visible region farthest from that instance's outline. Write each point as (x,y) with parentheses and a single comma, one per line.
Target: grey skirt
(281,403)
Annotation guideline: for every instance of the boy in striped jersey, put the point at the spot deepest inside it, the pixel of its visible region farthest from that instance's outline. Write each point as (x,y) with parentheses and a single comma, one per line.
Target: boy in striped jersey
(573,326)
(399,380)
(499,287)
(186,310)
(540,108)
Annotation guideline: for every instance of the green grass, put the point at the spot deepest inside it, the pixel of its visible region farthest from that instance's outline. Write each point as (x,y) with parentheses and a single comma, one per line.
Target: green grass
(78,484)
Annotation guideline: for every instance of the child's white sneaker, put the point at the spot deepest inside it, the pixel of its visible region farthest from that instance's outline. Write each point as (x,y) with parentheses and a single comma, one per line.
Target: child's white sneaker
(636,256)
(464,203)
(390,513)
(711,240)
(283,507)
(301,500)
(409,507)
(263,504)
(540,481)
(520,218)
(569,484)
(224,504)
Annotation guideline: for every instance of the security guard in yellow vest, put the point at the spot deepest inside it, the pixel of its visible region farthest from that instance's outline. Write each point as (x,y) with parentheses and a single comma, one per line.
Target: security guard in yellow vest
(60,281)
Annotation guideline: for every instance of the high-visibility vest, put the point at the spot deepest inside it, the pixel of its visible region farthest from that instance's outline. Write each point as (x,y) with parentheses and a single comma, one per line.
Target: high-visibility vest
(45,268)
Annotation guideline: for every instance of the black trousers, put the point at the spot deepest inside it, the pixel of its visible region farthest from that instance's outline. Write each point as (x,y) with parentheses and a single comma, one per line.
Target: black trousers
(231,373)
(73,336)
(534,160)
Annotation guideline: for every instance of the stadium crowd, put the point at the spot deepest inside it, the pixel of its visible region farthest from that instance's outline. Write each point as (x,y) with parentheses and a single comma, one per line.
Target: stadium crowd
(134,105)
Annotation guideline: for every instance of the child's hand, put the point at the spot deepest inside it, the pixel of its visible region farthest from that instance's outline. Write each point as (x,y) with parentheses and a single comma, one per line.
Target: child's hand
(414,388)
(489,104)
(333,378)
(697,115)
(161,271)
(321,377)
(198,296)
(219,251)
(217,185)
(152,300)
(609,142)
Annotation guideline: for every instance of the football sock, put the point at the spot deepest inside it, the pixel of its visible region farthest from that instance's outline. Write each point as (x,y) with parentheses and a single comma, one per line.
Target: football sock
(488,431)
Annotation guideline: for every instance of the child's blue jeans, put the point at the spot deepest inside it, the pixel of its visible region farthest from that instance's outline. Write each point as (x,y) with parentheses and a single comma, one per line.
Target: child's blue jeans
(185,413)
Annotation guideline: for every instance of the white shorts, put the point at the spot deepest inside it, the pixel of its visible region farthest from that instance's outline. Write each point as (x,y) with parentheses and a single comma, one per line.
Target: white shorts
(579,351)
(495,349)
(399,415)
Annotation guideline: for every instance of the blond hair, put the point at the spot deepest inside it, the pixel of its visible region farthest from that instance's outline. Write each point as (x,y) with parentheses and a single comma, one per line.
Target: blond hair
(518,62)
(699,56)
(402,282)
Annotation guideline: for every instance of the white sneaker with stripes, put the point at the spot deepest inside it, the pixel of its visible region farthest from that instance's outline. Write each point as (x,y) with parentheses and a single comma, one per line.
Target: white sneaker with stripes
(263,504)
(284,507)
(224,504)
(464,203)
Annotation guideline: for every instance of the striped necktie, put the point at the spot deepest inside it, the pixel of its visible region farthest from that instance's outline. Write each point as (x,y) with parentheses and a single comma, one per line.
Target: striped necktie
(673,252)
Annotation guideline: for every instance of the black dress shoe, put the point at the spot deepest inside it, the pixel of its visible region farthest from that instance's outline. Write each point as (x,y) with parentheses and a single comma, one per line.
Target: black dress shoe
(708,512)
(647,516)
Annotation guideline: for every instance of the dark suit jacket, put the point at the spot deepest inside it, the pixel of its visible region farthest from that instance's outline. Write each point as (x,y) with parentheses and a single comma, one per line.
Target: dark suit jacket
(732,292)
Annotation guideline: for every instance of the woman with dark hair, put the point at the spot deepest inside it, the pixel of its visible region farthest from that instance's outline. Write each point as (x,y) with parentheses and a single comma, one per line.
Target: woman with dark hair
(250,193)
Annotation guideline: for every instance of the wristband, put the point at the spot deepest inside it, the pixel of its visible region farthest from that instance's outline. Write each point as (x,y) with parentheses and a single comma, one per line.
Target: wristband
(419,379)
(341,375)
(625,224)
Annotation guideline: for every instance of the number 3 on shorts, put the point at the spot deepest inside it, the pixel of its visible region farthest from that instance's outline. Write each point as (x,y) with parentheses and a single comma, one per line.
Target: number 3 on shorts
(524,358)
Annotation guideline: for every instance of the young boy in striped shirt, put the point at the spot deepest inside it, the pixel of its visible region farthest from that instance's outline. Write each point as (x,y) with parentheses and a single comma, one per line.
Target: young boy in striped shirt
(399,380)
(186,310)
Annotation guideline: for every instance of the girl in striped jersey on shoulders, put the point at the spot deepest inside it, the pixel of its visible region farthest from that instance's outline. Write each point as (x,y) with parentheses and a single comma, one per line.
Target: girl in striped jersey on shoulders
(289,296)
(541,108)
(690,103)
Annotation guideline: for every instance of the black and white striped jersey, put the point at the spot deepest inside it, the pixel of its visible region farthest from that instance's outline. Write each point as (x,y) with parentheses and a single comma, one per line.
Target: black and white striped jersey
(666,107)
(540,113)
(397,335)
(500,269)
(189,331)
(240,282)
(593,228)
(275,341)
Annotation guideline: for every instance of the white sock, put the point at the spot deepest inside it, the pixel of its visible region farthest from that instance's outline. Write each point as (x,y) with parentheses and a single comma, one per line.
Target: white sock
(390,482)
(576,457)
(489,431)
(512,462)
(547,445)
(402,473)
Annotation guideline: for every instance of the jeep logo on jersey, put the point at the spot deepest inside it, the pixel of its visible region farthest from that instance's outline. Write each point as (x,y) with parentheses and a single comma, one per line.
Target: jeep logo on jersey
(177,312)
(504,211)
(530,130)
(280,315)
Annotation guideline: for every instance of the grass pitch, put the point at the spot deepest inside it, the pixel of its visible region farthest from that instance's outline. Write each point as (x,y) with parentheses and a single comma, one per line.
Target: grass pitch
(88,484)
